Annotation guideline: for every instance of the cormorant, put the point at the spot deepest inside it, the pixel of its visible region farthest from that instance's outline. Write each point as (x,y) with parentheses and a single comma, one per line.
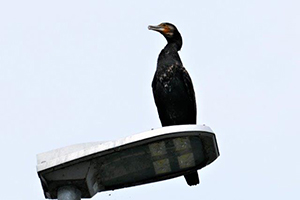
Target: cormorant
(172,86)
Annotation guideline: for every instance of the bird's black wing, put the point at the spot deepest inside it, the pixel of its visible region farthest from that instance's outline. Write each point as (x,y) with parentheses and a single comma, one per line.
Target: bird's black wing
(192,178)
(188,85)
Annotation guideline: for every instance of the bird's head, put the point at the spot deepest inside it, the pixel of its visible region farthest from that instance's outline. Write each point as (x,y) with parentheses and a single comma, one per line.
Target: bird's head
(169,31)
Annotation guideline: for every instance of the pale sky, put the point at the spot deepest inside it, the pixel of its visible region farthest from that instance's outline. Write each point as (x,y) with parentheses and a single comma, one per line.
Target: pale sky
(81,71)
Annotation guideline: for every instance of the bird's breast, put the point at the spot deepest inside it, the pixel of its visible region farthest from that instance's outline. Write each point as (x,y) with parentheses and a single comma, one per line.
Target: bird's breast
(166,76)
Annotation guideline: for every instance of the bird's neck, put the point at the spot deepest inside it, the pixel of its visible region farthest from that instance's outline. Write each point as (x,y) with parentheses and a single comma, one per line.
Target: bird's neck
(174,42)
(172,46)
(168,56)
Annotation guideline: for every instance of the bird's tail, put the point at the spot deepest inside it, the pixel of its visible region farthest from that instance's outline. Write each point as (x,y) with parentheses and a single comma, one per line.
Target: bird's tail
(192,178)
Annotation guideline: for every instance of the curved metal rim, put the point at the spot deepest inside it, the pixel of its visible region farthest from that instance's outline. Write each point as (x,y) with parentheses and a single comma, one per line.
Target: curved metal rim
(47,161)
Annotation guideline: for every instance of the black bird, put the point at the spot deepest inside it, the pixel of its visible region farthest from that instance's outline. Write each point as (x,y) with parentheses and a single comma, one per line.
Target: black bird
(172,86)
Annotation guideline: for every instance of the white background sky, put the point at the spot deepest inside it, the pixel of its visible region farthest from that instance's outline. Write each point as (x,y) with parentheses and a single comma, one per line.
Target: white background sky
(81,71)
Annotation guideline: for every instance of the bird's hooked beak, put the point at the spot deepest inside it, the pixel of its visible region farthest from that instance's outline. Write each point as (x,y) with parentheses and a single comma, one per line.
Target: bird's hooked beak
(158,28)
(162,28)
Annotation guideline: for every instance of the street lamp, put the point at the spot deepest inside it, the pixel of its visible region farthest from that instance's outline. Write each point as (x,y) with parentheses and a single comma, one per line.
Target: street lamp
(82,170)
